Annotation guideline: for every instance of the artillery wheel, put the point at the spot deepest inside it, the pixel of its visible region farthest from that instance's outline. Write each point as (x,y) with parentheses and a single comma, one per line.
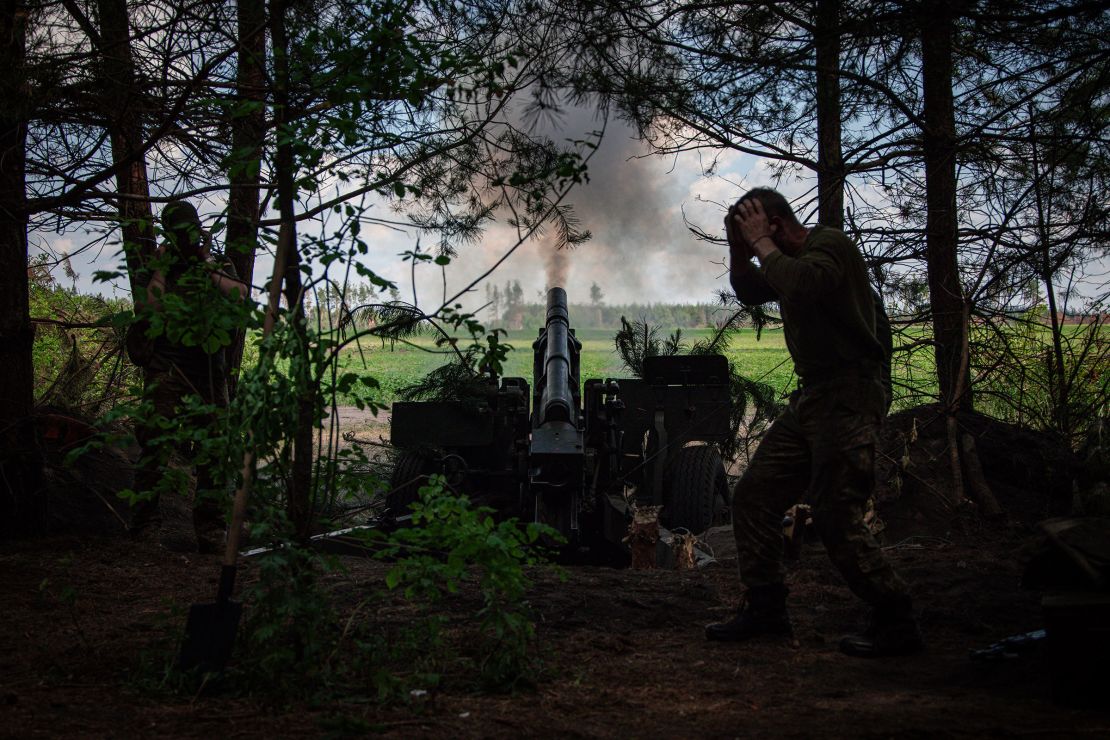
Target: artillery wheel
(410,473)
(694,486)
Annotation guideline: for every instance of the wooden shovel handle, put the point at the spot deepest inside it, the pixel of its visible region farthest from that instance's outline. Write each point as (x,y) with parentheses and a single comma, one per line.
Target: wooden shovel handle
(239,506)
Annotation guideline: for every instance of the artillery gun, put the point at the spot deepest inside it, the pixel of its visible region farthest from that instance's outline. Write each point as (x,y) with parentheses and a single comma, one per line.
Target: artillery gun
(576,456)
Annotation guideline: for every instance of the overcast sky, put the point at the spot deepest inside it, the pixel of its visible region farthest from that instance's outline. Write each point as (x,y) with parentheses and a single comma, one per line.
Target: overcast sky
(633,204)
(641,250)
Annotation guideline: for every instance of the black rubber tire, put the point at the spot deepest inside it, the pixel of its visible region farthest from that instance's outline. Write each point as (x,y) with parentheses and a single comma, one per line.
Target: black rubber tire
(694,487)
(410,473)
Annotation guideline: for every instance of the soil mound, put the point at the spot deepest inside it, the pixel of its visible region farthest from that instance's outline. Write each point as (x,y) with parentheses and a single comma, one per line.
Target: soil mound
(1033,475)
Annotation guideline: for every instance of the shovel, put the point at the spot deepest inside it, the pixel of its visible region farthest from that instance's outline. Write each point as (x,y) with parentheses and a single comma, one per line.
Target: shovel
(210,628)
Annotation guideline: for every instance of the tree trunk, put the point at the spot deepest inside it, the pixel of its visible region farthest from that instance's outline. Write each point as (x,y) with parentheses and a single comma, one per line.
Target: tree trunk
(20,460)
(945,288)
(1057,370)
(125,132)
(976,480)
(830,161)
(300,490)
(245,173)
(16,334)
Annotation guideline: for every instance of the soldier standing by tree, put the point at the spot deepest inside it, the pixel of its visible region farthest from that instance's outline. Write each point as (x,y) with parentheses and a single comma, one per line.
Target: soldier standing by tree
(187,314)
(823,444)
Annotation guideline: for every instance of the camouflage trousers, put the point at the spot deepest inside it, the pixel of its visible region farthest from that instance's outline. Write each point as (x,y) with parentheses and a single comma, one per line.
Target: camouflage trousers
(167,465)
(821,451)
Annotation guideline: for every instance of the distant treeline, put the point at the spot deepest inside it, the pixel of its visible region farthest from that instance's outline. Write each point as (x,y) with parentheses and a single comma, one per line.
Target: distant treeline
(599,316)
(507,308)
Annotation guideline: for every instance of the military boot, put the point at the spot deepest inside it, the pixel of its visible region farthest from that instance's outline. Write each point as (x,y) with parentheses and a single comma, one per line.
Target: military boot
(892,630)
(763,612)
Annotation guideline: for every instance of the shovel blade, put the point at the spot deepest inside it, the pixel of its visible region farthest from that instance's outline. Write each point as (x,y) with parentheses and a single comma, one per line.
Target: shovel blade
(209,636)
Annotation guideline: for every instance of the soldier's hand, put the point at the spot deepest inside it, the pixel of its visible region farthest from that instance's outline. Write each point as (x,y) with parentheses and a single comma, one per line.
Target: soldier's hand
(738,248)
(752,222)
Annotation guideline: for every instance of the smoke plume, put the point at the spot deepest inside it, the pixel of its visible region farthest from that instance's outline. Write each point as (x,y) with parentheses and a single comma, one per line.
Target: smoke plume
(633,210)
(556,265)
(633,206)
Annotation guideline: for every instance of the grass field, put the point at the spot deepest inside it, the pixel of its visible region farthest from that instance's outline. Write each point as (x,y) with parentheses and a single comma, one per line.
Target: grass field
(765,360)
(1005,388)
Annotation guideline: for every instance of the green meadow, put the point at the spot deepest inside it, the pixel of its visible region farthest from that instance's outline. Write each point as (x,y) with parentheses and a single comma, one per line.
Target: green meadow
(763,359)
(1006,389)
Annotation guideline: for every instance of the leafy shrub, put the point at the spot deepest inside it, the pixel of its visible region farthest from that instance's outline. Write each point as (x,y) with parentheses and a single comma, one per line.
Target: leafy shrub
(1020,376)
(292,625)
(295,635)
(452,541)
(78,353)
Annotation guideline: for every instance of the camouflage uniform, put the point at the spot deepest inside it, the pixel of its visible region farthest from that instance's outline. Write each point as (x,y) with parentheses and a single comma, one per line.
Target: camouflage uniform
(174,372)
(168,467)
(821,448)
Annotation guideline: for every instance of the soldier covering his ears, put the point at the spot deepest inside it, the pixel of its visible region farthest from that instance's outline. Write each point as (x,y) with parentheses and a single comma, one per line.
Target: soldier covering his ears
(823,445)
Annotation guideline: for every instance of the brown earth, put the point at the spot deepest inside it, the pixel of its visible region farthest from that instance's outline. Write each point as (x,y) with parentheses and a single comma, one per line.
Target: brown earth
(624,654)
(88,620)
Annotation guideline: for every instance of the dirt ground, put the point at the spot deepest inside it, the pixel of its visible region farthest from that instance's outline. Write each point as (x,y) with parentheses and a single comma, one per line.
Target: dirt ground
(88,619)
(624,654)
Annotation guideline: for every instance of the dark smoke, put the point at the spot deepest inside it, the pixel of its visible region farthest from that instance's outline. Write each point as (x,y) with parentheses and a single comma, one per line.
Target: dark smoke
(556,265)
(623,205)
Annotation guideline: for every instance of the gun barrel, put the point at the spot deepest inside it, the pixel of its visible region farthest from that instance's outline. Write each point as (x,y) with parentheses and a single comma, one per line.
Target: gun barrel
(557,402)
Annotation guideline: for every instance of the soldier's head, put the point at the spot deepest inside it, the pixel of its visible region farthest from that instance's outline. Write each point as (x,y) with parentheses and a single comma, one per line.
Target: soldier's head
(786,231)
(182,227)
(774,205)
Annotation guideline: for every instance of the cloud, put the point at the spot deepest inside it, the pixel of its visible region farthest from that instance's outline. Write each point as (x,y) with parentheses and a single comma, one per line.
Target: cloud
(633,205)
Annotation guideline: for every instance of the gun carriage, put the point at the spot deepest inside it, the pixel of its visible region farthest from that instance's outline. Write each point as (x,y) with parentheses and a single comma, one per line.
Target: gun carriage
(576,456)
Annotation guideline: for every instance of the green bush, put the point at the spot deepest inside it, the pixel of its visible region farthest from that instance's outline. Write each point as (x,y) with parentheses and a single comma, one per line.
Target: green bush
(296,636)
(451,542)
(78,351)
